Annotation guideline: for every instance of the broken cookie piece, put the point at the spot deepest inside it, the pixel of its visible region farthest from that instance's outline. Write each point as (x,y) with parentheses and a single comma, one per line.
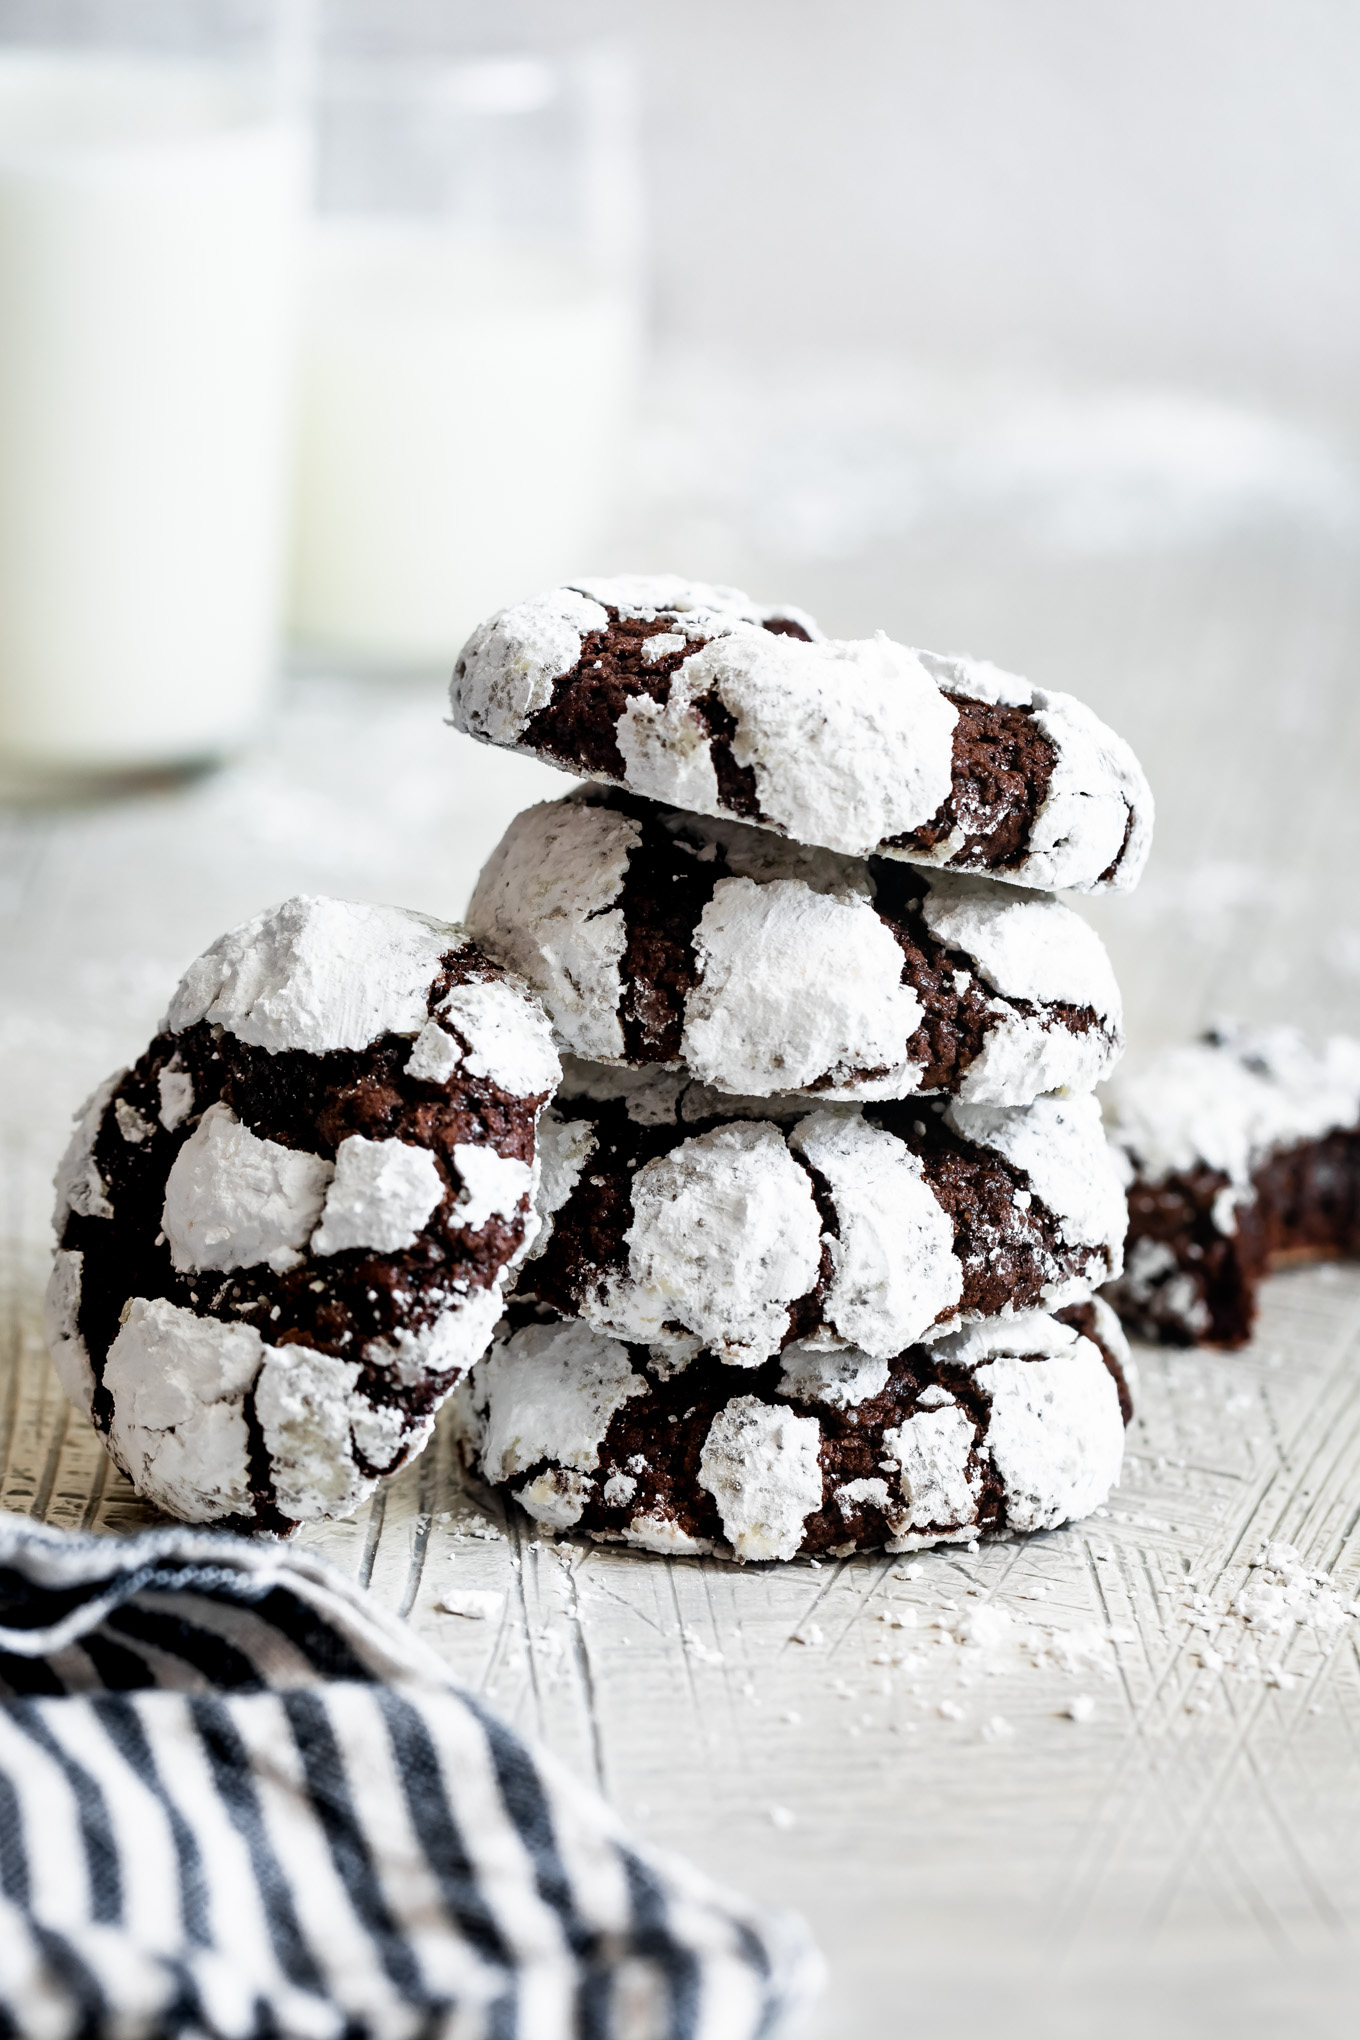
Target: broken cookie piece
(284,1234)
(1242,1154)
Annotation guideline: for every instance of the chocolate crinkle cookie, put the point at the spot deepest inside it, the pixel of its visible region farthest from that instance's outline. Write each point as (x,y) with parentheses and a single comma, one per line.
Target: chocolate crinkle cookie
(1242,1154)
(681,1220)
(1007,1427)
(285,1233)
(697,697)
(658,937)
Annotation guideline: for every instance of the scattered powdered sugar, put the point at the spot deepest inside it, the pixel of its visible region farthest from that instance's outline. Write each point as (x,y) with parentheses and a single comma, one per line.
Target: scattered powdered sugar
(1284,1594)
(317,974)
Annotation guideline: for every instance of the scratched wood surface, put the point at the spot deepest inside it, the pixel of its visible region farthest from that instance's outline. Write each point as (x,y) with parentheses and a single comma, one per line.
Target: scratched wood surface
(1061,1787)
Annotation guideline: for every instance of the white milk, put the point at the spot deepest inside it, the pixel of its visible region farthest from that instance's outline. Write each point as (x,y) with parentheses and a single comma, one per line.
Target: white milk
(149,246)
(461,415)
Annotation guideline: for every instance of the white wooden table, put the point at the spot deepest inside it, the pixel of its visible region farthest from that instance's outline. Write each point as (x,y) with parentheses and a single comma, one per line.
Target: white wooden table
(1183,1857)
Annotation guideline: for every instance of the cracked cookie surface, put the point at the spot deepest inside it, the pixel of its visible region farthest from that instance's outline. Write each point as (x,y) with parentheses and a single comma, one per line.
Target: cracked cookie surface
(285,1232)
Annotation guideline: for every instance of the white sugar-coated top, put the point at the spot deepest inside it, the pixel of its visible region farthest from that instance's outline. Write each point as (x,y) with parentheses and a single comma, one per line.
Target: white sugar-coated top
(382,1193)
(233,1200)
(550,1392)
(893,1252)
(317,974)
(1230,1103)
(800,980)
(509,1041)
(1060,1145)
(850,741)
(761,1465)
(702,606)
(545,906)
(725,1234)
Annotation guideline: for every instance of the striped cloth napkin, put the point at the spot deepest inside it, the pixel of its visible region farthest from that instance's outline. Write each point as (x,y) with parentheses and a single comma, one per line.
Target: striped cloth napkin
(238,1799)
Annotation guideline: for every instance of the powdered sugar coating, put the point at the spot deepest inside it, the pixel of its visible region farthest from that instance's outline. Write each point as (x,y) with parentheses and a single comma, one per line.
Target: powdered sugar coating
(760,1463)
(79,1185)
(61,1322)
(1055,1435)
(724,1236)
(549,1393)
(1024,946)
(932,1460)
(1060,1145)
(850,743)
(544,905)
(1230,1102)
(839,1380)
(179,1432)
(506,670)
(892,1254)
(743,1031)
(317,974)
(382,1193)
(506,1036)
(233,1200)
(493,1186)
(798,980)
(306,1405)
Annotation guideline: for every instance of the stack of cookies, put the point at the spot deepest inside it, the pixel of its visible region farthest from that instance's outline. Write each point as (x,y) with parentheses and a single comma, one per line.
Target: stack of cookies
(825,1200)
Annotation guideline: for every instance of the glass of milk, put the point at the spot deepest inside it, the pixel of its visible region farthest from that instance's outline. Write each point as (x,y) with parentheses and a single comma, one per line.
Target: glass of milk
(470,345)
(152,195)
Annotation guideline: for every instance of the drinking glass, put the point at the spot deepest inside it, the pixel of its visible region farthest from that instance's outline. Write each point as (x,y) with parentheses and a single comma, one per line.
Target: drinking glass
(152,195)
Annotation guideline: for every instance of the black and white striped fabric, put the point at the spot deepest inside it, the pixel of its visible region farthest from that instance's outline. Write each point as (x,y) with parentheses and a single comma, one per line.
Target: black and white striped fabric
(237,1799)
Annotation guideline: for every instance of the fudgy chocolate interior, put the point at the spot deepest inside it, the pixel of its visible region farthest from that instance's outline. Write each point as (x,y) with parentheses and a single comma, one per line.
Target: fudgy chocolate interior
(670,879)
(1305,1207)
(1008,1252)
(1002,761)
(657,1439)
(311,1103)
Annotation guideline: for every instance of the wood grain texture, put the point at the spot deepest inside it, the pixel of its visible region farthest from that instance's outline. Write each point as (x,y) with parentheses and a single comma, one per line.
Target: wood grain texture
(1183,1862)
